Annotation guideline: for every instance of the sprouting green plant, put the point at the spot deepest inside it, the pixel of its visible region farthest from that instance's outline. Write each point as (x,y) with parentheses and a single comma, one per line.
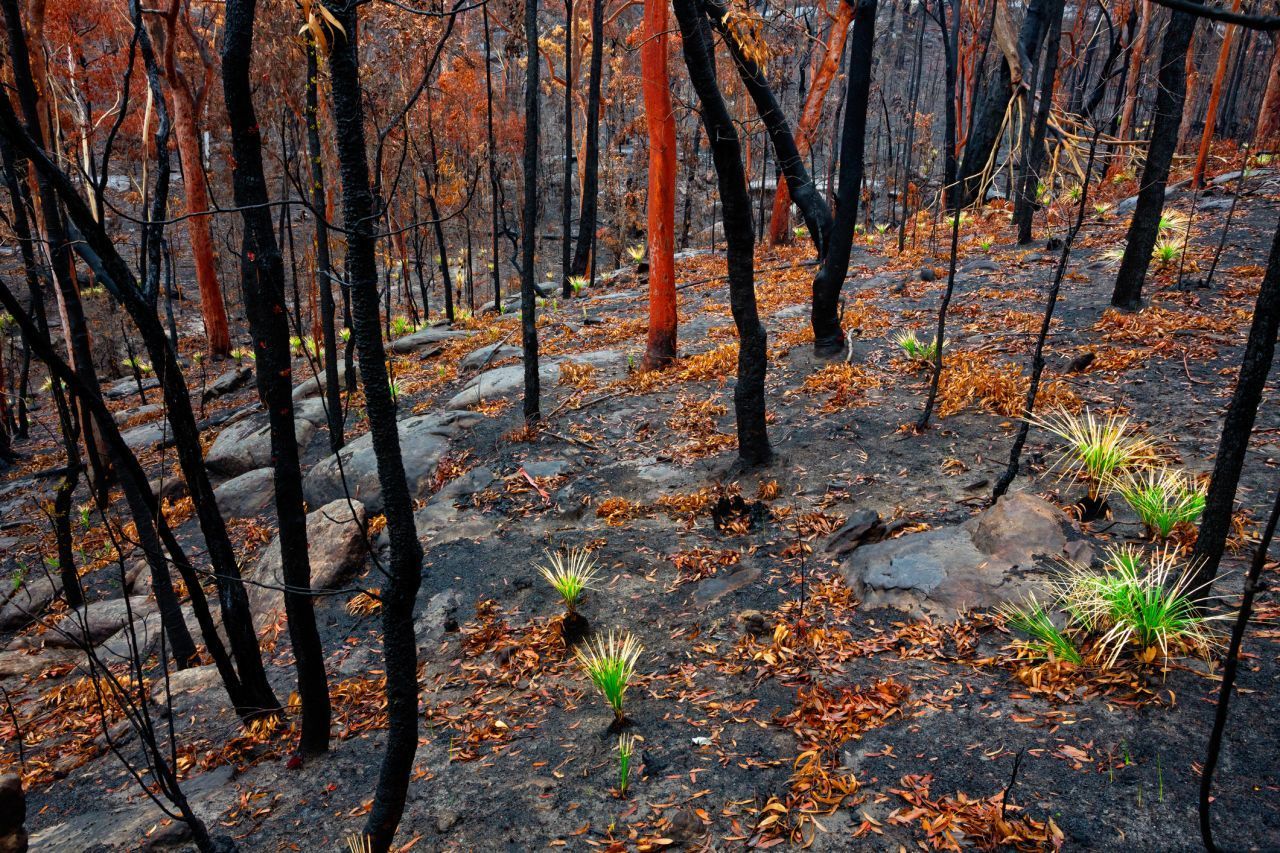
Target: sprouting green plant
(1138,599)
(881,228)
(610,663)
(577,283)
(19,575)
(626,749)
(345,334)
(1162,498)
(985,244)
(1172,222)
(396,387)
(239,353)
(800,231)
(1263,159)
(1033,619)
(1101,209)
(1097,450)
(136,364)
(631,363)
(401,326)
(86,517)
(915,349)
(1166,251)
(571,573)
(295,345)
(1075,193)
(636,253)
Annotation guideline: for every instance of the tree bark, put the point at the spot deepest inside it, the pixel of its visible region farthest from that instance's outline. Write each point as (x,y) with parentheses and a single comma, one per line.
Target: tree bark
(811,116)
(1215,93)
(660,120)
(1259,350)
(585,246)
(400,646)
(1144,228)
(735,203)
(262,281)
(1032,155)
(828,337)
(1268,126)
(529,220)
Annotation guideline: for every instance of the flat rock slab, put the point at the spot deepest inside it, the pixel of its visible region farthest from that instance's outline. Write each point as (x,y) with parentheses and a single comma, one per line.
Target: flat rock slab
(504,381)
(228,382)
(354,469)
(246,444)
(147,435)
(29,600)
(486,355)
(988,560)
(247,495)
(425,337)
(313,386)
(336,545)
(96,621)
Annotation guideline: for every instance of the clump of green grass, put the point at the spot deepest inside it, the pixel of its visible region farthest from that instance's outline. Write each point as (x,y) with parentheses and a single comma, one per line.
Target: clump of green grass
(577,283)
(571,573)
(1166,250)
(626,749)
(1138,599)
(1033,619)
(915,349)
(636,253)
(1097,450)
(401,326)
(1162,498)
(610,663)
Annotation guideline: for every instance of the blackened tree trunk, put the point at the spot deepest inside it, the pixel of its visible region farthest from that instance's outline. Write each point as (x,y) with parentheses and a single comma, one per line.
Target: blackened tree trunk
(529,220)
(262,280)
(735,202)
(812,206)
(585,247)
(828,338)
(1259,350)
(1144,228)
(989,116)
(324,263)
(405,564)
(566,191)
(1031,156)
(491,158)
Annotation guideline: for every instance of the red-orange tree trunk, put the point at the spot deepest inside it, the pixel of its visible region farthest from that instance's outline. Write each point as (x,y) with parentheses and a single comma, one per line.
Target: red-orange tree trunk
(1269,116)
(186,129)
(810,115)
(661,348)
(1211,113)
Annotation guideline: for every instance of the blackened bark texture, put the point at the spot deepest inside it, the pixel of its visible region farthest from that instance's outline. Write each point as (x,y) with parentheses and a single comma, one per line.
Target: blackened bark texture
(828,337)
(591,164)
(813,207)
(529,221)
(1144,228)
(735,202)
(253,695)
(324,263)
(566,190)
(1032,153)
(405,564)
(491,158)
(262,281)
(1259,350)
(993,105)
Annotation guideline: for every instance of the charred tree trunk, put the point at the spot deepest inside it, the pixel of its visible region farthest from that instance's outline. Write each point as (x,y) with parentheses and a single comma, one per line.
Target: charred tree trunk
(1032,155)
(405,565)
(585,248)
(566,190)
(529,221)
(735,202)
(1259,350)
(262,280)
(828,337)
(1144,228)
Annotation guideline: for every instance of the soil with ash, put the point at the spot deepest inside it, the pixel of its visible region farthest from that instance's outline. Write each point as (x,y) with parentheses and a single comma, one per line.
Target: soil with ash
(771,708)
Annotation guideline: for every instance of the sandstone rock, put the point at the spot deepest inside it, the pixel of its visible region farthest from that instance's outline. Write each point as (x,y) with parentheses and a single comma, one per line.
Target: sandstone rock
(96,621)
(423,440)
(486,355)
(228,382)
(718,586)
(424,337)
(30,599)
(336,545)
(246,444)
(314,385)
(987,560)
(502,381)
(855,531)
(147,435)
(124,415)
(15,663)
(248,495)
(439,617)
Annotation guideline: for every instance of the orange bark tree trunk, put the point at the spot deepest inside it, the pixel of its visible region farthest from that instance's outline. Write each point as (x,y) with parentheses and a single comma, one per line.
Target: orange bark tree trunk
(1211,112)
(1135,72)
(810,115)
(661,348)
(187,131)
(1268,127)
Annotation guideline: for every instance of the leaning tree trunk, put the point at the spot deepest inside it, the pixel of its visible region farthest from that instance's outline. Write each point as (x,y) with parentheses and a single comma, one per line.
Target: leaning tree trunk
(735,202)
(1259,350)
(582,251)
(810,116)
(828,337)
(400,646)
(817,216)
(660,349)
(262,281)
(1144,228)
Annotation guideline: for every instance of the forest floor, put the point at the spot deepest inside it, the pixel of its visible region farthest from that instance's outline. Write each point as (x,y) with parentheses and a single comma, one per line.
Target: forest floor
(773,707)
